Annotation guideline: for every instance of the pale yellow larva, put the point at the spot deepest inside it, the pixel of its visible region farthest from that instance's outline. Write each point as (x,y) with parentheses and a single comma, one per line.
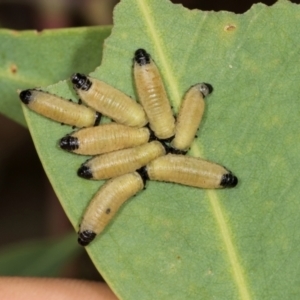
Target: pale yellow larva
(109,101)
(120,162)
(190,171)
(189,116)
(59,109)
(105,204)
(152,95)
(104,138)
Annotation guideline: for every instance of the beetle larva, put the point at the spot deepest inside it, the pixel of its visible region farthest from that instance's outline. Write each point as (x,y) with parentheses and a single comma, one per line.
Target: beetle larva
(104,138)
(109,101)
(189,116)
(105,204)
(59,109)
(190,171)
(120,162)
(152,95)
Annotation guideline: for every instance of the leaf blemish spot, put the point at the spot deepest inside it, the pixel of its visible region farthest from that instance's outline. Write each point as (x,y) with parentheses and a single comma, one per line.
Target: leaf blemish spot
(229,27)
(13,68)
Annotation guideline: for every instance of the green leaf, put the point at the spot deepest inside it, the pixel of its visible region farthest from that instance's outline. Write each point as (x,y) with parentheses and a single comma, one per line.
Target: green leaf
(37,258)
(180,242)
(31,59)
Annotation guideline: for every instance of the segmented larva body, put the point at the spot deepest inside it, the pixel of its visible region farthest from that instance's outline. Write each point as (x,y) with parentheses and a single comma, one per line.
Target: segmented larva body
(109,101)
(189,116)
(190,171)
(152,95)
(106,203)
(59,109)
(120,162)
(104,138)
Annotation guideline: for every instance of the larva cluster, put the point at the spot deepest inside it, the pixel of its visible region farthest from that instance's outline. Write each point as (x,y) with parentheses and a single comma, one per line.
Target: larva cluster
(144,142)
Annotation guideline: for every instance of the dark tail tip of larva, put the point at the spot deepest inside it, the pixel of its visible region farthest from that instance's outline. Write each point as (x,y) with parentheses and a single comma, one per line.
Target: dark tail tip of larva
(80,81)
(85,237)
(144,174)
(167,140)
(97,119)
(152,136)
(25,96)
(141,57)
(85,172)
(69,143)
(229,180)
(176,151)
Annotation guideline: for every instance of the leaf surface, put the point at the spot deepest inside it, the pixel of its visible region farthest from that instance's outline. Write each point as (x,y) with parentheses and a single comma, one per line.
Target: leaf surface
(177,242)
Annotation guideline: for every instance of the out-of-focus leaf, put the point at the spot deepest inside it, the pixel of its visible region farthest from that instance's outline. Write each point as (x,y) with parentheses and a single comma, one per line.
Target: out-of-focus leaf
(38,258)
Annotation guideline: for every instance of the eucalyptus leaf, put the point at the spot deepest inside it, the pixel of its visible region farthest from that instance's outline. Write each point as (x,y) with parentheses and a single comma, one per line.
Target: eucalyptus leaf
(178,242)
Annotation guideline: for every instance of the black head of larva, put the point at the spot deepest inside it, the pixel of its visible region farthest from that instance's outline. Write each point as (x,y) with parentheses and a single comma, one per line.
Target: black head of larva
(85,172)
(205,89)
(141,57)
(69,143)
(25,96)
(229,180)
(85,237)
(80,81)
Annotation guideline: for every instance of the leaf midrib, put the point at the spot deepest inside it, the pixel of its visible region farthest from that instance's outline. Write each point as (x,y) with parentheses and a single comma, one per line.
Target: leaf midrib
(214,201)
